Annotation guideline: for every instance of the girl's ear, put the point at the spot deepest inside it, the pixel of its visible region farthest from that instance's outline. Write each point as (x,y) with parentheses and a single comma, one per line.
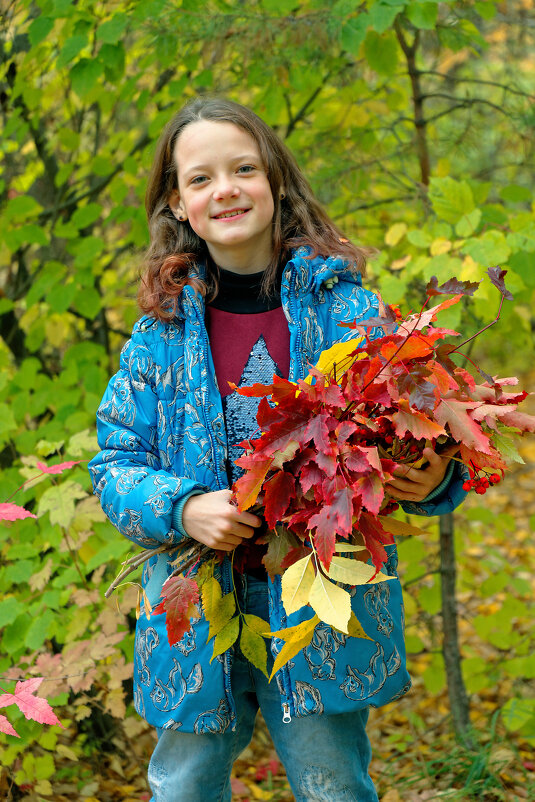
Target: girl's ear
(176,206)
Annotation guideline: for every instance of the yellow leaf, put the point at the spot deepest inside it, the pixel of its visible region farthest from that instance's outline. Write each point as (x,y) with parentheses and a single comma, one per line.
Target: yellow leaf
(257,624)
(218,609)
(439,246)
(253,647)
(348,547)
(353,572)
(296,583)
(354,628)
(395,233)
(396,527)
(224,639)
(296,639)
(340,354)
(331,603)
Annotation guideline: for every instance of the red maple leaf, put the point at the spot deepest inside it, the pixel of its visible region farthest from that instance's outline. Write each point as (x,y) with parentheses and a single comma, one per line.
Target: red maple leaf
(278,492)
(12,512)
(55,469)
(334,518)
(454,413)
(33,707)
(180,597)
(375,538)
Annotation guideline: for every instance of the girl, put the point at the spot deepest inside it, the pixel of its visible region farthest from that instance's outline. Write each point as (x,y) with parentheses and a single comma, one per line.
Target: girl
(246,276)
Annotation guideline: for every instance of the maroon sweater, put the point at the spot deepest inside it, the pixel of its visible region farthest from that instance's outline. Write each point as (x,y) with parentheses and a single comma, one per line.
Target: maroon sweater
(250,342)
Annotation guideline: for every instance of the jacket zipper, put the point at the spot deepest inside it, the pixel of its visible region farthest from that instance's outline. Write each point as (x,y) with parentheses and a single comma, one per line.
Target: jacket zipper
(285,671)
(226,578)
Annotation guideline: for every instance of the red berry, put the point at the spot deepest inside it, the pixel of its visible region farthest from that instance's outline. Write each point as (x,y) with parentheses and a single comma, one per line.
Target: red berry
(389,439)
(480,490)
(467,485)
(494,478)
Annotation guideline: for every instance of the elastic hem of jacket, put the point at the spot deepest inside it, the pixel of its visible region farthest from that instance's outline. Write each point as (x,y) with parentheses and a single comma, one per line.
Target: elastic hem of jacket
(178,509)
(439,489)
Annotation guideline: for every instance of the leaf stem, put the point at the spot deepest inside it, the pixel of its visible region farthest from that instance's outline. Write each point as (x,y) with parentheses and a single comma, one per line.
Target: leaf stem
(479,332)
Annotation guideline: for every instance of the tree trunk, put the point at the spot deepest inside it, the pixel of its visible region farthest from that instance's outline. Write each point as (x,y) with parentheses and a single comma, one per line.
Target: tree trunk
(459,703)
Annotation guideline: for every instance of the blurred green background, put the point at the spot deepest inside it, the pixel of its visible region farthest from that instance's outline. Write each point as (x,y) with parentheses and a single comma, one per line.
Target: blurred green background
(413,121)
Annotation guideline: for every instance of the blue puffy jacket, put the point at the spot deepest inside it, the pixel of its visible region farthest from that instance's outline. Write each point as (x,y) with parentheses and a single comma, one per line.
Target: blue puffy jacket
(162,435)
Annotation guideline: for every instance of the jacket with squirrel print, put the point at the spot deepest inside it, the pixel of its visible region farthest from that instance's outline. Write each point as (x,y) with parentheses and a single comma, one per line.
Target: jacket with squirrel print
(162,434)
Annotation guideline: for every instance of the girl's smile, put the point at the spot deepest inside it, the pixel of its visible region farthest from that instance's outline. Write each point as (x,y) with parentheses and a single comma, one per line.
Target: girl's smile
(224,194)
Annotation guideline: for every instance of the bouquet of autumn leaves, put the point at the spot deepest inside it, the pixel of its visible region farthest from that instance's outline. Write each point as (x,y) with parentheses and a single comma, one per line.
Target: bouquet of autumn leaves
(327,447)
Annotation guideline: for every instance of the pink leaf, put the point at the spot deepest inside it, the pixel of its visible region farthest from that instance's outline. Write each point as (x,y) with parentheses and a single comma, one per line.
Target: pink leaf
(12,512)
(33,707)
(6,727)
(463,428)
(63,466)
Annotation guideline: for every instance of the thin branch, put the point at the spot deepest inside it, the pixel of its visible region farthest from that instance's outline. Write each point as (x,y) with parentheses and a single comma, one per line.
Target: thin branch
(505,87)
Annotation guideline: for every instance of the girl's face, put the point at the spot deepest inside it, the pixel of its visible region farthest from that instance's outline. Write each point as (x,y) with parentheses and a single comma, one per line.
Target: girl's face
(224,193)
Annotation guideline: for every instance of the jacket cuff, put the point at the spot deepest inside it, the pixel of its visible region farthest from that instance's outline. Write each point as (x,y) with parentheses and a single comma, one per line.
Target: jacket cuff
(439,489)
(178,508)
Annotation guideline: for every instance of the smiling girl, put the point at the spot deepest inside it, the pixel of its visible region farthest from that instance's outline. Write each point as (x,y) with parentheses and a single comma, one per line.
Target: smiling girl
(246,276)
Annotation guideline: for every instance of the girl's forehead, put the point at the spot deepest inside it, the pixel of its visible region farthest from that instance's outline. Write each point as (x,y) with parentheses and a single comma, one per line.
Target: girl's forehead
(206,140)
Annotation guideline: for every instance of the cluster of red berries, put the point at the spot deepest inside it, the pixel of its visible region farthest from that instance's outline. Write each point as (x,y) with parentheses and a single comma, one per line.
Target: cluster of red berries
(390,507)
(480,481)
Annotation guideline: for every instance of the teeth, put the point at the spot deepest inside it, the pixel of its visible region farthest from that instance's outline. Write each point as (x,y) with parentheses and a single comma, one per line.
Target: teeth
(231,214)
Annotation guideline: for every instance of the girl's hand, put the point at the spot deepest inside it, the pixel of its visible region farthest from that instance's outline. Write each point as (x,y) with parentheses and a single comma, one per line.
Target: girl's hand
(414,484)
(211,519)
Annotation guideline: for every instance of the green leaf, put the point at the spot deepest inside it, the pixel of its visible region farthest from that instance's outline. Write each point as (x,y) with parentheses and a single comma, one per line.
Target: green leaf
(486,9)
(113,58)
(82,442)
(218,609)
(489,249)
(85,215)
(506,447)
(516,713)
(59,501)
(253,647)
(468,223)
(70,48)
(21,207)
(112,30)
(353,33)
(451,199)
(296,584)
(381,52)
(10,608)
(226,637)
(88,302)
(516,193)
(39,29)
(84,75)
(422,15)
(331,603)
(382,15)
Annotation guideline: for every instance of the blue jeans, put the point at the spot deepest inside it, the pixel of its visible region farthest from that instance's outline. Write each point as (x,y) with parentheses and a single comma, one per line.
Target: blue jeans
(326,757)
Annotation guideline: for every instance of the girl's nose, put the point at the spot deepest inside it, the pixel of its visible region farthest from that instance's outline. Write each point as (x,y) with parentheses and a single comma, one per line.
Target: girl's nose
(225,188)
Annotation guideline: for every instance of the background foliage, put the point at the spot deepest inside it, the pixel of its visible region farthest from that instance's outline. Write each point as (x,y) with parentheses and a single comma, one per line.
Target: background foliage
(413,122)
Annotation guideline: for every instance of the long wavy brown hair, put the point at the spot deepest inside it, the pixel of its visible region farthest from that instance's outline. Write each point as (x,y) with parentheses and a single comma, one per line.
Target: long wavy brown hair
(174,248)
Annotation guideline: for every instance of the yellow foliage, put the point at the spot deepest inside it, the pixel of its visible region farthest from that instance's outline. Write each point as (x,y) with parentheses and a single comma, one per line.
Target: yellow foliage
(331,603)
(296,584)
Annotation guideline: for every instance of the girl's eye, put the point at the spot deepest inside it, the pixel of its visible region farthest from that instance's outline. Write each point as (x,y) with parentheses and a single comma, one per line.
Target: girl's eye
(247,168)
(199,179)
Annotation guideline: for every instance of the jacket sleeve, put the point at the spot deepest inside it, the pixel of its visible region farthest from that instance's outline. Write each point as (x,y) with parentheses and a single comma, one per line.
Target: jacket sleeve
(136,494)
(444,498)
